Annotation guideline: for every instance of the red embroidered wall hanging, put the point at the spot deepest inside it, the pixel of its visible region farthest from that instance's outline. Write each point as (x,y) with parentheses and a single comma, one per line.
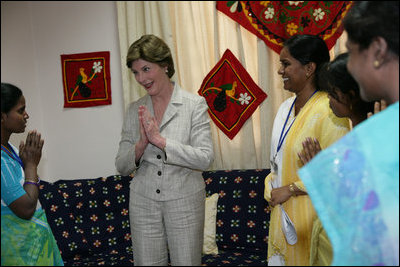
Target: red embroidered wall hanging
(276,21)
(231,94)
(86,79)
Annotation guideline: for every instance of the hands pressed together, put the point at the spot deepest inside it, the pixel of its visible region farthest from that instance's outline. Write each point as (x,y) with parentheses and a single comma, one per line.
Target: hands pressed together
(30,152)
(149,129)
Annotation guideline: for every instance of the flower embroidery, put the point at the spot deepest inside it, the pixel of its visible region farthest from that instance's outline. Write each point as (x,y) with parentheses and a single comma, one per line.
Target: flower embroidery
(72,246)
(251,239)
(292,28)
(235,223)
(95,230)
(234,237)
(97,243)
(295,3)
(59,221)
(92,203)
(236,209)
(318,14)
(238,179)
(252,194)
(107,203)
(125,224)
(112,241)
(124,212)
(127,236)
(65,234)
(252,209)
(269,13)
(118,187)
(221,208)
(109,216)
(244,99)
(121,199)
(237,193)
(79,193)
(92,191)
(251,224)
(54,208)
(254,179)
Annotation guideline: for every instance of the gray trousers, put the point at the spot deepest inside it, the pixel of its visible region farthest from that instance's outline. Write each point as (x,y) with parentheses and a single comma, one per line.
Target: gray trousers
(174,226)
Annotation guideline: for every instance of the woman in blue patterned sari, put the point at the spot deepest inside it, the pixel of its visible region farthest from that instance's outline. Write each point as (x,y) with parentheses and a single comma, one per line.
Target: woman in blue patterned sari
(26,237)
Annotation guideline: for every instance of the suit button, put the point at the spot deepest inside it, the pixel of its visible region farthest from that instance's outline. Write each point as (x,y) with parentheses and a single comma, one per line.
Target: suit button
(158,191)
(159,173)
(158,156)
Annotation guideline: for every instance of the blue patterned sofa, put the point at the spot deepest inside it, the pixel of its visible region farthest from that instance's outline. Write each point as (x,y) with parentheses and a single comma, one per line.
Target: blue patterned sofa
(242,217)
(90,220)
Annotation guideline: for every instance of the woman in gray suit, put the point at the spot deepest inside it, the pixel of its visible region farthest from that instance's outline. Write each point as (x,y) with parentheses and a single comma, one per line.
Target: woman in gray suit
(166,141)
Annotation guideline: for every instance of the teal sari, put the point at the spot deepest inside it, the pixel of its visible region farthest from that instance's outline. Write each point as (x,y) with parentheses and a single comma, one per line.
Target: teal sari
(28,242)
(354,187)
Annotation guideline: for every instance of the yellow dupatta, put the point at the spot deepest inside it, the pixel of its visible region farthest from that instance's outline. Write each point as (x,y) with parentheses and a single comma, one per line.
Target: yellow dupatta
(315,119)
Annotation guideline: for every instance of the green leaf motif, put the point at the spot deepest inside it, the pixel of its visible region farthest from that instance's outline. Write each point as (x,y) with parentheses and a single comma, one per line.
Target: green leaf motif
(226,87)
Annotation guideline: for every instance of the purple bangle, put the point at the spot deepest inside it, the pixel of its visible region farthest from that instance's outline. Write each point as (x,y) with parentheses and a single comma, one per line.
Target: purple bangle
(37,184)
(32,182)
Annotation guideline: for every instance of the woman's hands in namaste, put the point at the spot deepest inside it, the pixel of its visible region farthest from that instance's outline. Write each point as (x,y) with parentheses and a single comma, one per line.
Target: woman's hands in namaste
(149,129)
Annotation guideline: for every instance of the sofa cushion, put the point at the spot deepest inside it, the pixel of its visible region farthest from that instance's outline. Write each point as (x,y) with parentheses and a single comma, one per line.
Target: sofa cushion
(89,218)
(242,212)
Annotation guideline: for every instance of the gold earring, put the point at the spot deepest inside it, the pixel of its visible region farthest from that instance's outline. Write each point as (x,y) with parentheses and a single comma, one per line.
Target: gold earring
(376,63)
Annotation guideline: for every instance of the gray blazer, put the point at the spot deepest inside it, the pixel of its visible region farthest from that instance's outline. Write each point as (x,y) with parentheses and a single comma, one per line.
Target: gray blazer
(177,171)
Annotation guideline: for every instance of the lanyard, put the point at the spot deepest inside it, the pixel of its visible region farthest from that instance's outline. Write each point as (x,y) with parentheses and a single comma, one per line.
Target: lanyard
(281,139)
(12,154)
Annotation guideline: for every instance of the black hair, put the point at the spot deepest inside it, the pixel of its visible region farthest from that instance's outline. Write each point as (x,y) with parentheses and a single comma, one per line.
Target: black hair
(308,48)
(10,94)
(367,20)
(334,75)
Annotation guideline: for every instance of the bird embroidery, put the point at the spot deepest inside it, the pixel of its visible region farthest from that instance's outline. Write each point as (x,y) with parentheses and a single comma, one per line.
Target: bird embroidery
(82,80)
(227,91)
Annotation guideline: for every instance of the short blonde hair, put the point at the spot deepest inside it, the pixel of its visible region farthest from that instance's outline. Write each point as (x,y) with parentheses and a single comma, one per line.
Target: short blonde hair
(153,49)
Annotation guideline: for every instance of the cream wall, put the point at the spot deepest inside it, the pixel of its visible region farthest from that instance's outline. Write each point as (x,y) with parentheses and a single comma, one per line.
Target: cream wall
(79,143)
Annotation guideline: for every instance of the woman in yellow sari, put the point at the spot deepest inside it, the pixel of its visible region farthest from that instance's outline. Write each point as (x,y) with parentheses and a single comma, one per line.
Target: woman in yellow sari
(307,114)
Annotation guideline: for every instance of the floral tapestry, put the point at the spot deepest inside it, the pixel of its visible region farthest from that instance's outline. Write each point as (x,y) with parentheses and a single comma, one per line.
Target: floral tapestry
(231,94)
(86,79)
(276,21)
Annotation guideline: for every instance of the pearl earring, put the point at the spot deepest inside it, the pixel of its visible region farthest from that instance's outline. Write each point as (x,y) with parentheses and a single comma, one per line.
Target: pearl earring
(376,64)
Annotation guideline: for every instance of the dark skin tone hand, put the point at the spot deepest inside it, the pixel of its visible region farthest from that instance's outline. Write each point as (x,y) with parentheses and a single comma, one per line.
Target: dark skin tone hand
(280,195)
(30,153)
(311,147)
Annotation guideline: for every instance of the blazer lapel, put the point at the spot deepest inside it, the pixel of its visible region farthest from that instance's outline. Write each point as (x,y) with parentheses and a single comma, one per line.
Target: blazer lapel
(171,111)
